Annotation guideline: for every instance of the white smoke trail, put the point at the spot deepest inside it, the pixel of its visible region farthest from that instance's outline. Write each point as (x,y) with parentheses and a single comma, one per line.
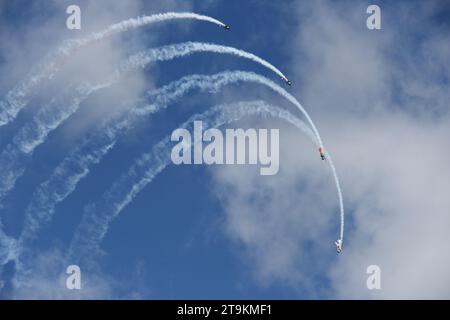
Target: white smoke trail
(76,166)
(341,201)
(97,217)
(14,158)
(5,245)
(17,97)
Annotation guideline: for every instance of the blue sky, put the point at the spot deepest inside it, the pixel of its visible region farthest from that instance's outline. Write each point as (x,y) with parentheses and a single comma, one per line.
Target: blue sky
(191,232)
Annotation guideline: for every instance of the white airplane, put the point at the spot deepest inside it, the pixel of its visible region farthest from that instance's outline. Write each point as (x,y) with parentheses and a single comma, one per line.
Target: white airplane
(338,244)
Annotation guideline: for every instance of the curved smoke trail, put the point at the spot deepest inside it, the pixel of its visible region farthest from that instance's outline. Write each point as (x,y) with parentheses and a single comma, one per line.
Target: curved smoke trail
(14,158)
(6,246)
(76,165)
(97,217)
(16,98)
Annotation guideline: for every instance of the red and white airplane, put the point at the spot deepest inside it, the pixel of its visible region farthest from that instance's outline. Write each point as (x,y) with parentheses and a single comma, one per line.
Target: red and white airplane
(322,153)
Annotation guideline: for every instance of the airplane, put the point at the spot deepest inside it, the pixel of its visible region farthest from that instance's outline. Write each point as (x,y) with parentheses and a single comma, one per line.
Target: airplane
(322,153)
(226,27)
(338,244)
